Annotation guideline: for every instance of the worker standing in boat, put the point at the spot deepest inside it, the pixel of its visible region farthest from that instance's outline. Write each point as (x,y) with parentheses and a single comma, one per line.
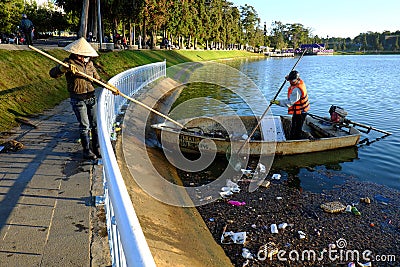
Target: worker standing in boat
(296,102)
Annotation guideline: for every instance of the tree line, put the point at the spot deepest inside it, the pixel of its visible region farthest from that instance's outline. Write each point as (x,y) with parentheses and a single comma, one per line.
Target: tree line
(216,24)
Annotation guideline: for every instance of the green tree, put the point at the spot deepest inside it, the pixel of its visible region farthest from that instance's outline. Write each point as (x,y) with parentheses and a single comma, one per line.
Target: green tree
(277,35)
(396,46)
(10,15)
(250,23)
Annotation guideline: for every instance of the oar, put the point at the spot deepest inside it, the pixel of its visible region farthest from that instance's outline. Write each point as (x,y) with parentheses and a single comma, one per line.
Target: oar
(237,165)
(369,128)
(107,86)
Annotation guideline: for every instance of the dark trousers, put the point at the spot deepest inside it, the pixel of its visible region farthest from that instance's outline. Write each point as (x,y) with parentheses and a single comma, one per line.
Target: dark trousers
(297,125)
(28,37)
(86,114)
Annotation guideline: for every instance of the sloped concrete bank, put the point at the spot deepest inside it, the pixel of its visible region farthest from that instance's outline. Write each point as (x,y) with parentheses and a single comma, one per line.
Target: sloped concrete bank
(176,236)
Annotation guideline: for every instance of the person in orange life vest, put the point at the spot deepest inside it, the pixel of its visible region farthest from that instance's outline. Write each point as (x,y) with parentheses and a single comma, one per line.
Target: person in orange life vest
(297,103)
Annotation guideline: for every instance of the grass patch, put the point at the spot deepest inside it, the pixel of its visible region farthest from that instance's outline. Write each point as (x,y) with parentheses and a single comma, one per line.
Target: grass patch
(26,89)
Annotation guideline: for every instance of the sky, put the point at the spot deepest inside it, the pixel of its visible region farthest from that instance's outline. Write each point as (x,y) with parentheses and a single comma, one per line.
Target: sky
(340,18)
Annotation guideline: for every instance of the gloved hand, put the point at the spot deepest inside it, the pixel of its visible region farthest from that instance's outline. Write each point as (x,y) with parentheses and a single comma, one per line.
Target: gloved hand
(73,69)
(276,102)
(114,90)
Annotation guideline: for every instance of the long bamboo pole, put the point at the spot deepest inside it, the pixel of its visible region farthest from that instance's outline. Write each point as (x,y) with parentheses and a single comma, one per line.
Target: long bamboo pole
(108,86)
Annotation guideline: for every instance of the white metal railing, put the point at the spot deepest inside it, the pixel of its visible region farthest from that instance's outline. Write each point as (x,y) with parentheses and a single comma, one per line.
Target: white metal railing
(128,245)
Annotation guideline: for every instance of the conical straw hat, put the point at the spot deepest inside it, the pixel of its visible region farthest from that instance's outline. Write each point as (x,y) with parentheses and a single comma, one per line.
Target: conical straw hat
(81,47)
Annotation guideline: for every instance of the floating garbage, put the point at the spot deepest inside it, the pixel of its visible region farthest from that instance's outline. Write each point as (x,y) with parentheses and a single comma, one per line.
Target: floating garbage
(236,203)
(233,238)
(229,189)
(355,211)
(276,176)
(366,200)
(265,183)
(225,194)
(274,228)
(348,208)
(333,207)
(282,226)
(246,254)
(234,187)
(246,172)
(261,168)
(302,235)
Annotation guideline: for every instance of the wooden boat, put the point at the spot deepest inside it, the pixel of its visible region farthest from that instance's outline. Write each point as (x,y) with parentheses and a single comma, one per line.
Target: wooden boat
(270,138)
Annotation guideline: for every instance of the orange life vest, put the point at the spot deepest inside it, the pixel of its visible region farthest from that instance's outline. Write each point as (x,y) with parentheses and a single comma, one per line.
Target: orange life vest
(302,105)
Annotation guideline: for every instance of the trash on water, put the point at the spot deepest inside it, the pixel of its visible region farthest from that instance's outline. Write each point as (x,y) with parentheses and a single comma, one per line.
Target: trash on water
(234,187)
(274,228)
(333,207)
(265,183)
(355,211)
(233,238)
(348,208)
(276,176)
(229,189)
(261,168)
(246,172)
(246,254)
(365,200)
(279,198)
(236,203)
(282,226)
(302,235)
(225,194)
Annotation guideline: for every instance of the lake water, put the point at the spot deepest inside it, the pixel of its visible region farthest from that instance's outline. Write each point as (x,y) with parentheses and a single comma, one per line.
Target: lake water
(365,86)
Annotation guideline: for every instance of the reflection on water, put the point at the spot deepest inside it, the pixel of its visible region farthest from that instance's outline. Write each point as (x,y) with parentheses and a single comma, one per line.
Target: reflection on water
(363,85)
(330,159)
(315,171)
(311,172)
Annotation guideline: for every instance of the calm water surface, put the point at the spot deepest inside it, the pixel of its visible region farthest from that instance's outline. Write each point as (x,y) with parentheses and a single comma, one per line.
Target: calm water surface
(366,86)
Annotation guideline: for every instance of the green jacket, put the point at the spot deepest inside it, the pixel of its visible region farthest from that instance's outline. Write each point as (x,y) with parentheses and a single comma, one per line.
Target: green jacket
(78,86)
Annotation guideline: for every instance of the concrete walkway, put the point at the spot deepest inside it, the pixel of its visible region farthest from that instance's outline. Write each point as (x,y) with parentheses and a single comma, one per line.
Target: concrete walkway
(47,216)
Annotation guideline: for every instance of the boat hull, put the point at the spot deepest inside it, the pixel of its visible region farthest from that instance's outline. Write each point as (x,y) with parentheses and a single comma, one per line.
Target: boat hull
(192,142)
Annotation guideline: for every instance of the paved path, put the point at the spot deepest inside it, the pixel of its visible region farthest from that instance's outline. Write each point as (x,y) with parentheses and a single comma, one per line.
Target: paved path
(47,216)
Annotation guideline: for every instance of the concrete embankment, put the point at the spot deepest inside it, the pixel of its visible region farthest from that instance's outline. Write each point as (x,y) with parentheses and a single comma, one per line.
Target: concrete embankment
(176,236)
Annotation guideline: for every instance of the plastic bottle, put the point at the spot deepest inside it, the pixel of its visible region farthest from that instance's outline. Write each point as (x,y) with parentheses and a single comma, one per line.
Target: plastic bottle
(274,228)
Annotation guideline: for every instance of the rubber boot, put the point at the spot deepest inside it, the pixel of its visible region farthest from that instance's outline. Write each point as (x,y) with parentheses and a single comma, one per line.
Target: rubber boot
(87,153)
(95,144)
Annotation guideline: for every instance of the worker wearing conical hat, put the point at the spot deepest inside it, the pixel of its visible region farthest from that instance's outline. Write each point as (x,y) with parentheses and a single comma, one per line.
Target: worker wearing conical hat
(81,91)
